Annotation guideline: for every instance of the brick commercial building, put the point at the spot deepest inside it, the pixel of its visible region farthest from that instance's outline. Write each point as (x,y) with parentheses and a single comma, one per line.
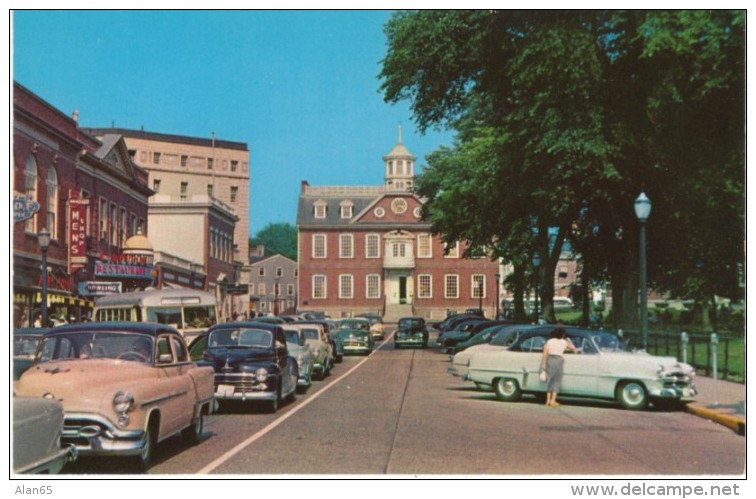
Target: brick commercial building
(365,249)
(199,211)
(91,198)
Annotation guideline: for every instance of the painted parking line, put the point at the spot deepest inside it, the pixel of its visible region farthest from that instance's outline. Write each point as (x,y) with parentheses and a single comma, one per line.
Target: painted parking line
(256,436)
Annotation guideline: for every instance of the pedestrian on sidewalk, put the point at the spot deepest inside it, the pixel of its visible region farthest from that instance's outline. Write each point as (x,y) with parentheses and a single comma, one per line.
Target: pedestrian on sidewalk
(552,363)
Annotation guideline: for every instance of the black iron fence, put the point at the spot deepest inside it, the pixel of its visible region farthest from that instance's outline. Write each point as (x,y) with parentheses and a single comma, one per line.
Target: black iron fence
(708,353)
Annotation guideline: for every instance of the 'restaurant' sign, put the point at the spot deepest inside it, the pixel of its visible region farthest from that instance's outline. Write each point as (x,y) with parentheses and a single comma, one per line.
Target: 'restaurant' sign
(77,226)
(108,269)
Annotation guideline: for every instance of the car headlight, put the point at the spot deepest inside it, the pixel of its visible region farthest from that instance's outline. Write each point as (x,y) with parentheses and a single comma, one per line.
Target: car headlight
(123,403)
(262,374)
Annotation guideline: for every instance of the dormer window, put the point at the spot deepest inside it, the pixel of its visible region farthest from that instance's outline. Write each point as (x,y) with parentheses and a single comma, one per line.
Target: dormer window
(346,209)
(320,209)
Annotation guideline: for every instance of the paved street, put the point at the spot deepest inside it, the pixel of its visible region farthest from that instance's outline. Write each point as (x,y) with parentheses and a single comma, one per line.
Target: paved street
(397,412)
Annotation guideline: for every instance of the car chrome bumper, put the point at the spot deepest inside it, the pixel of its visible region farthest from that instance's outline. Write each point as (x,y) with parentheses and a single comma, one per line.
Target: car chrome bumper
(94,435)
(674,392)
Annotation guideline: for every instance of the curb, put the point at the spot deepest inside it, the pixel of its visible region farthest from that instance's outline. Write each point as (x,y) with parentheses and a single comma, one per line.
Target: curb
(735,423)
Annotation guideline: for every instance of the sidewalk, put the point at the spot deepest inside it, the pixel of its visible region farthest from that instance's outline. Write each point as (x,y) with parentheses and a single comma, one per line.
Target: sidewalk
(723,402)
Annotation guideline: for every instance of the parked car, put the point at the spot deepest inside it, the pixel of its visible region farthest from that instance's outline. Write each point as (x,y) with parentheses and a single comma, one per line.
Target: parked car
(295,342)
(355,336)
(124,387)
(321,346)
(330,327)
(411,331)
(25,342)
(376,324)
(462,332)
(503,338)
(37,429)
(604,368)
(251,362)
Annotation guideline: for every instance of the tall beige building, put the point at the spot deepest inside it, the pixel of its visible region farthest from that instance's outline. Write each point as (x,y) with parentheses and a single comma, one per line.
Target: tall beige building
(182,168)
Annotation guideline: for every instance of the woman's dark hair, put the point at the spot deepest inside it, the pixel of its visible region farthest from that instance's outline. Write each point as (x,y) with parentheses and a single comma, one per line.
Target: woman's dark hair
(558,332)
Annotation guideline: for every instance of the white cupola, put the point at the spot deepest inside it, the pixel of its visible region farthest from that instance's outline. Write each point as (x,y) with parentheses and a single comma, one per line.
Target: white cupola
(400,167)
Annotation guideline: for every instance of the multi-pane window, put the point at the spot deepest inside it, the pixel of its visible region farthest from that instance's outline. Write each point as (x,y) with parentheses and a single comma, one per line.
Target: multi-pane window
(319,249)
(346,246)
(398,249)
(184,189)
(373,286)
(346,209)
(290,289)
(156,158)
(261,289)
(52,201)
(30,190)
(346,286)
(320,209)
(209,163)
(234,193)
(156,185)
(372,246)
(210,190)
(184,159)
(425,286)
(451,286)
(318,286)
(424,246)
(478,286)
(452,250)
(234,165)
(279,271)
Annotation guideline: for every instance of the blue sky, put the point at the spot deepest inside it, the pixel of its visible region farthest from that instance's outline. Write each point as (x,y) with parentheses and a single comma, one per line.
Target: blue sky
(299,87)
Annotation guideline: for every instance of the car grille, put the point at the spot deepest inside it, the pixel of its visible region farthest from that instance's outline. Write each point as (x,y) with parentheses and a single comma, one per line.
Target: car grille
(241,382)
(355,343)
(78,431)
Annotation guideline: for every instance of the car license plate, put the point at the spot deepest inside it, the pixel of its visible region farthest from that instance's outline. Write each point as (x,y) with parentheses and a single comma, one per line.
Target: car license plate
(225,390)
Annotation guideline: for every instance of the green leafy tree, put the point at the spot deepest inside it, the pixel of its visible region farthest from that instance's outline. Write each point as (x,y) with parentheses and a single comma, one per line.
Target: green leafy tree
(563,115)
(278,238)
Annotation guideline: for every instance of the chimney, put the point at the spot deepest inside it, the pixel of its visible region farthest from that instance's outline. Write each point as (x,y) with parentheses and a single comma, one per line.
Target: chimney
(75,115)
(305,185)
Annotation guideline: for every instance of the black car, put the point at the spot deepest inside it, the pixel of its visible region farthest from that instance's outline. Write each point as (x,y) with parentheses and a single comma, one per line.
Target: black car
(411,331)
(450,339)
(251,362)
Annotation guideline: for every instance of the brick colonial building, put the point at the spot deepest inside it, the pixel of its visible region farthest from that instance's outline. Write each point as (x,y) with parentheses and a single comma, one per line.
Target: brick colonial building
(365,249)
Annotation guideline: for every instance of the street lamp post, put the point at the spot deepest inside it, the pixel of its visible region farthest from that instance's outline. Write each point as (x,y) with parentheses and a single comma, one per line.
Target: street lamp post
(496,278)
(642,211)
(44,242)
(536,263)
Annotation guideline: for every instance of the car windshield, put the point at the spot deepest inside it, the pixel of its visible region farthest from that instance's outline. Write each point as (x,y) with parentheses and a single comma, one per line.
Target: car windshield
(25,345)
(292,336)
(310,334)
(240,338)
(410,323)
(97,345)
(608,342)
(365,325)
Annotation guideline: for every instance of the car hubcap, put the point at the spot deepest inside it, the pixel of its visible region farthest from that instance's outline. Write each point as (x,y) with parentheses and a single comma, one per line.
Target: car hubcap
(633,394)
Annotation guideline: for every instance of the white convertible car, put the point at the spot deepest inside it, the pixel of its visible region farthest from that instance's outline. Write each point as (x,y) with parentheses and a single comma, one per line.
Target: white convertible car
(603,368)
